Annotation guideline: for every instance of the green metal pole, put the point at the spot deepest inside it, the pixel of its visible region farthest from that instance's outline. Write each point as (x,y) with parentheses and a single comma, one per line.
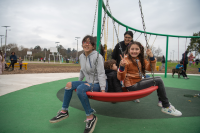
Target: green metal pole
(99,24)
(166,59)
(126,28)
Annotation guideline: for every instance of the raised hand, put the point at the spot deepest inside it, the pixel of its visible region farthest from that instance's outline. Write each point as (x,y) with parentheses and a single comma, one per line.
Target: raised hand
(123,62)
(149,53)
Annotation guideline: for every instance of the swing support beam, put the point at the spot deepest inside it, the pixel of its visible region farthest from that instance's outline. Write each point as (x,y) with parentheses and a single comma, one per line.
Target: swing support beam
(99,24)
(101,4)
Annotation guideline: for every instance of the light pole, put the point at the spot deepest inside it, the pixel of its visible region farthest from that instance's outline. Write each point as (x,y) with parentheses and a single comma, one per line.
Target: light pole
(57,44)
(170,56)
(1,41)
(5,38)
(45,53)
(173,54)
(57,49)
(77,47)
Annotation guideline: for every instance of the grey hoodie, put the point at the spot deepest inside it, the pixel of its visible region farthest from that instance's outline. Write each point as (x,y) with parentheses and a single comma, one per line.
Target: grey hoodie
(88,66)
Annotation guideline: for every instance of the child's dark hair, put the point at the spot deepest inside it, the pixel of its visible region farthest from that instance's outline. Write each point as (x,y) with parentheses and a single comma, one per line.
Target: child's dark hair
(92,40)
(109,64)
(140,56)
(181,62)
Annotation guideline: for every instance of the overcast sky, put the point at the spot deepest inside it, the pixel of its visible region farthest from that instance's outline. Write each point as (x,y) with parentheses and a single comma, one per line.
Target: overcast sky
(44,22)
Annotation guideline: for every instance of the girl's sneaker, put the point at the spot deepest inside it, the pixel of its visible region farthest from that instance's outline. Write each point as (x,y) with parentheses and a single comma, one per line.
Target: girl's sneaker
(137,100)
(160,104)
(171,111)
(90,125)
(60,116)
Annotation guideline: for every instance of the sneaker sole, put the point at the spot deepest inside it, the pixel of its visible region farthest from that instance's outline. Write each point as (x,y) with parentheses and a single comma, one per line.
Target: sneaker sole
(58,120)
(162,106)
(170,113)
(93,126)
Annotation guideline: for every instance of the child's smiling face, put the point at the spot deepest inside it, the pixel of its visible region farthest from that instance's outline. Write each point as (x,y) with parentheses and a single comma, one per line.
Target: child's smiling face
(134,50)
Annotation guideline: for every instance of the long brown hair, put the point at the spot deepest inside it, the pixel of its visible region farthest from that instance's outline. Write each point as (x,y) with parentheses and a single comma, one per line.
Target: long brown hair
(1,53)
(140,56)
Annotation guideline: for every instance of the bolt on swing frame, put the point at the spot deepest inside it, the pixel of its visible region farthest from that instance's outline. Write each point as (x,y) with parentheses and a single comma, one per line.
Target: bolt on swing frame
(102,5)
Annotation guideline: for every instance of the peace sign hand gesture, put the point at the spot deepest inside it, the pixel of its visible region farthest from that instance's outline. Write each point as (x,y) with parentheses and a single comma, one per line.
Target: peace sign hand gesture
(149,53)
(123,62)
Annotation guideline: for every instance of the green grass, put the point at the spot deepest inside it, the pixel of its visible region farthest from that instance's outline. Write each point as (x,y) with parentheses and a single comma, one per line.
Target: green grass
(169,64)
(46,64)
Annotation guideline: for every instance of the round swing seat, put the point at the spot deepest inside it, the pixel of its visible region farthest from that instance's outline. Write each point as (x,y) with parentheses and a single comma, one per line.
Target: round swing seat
(121,96)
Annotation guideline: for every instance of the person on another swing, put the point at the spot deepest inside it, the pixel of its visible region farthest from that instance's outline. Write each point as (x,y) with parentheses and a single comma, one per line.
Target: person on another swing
(114,84)
(132,67)
(87,61)
(128,37)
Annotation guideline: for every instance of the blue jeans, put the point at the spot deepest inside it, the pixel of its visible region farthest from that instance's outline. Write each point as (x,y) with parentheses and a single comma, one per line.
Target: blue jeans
(81,92)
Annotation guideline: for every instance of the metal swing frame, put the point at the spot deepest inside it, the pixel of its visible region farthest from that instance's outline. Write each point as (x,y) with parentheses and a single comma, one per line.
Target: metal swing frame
(102,5)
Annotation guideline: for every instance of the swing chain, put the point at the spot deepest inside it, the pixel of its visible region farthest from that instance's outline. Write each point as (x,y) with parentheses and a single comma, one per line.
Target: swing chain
(145,35)
(96,62)
(94,18)
(115,30)
(144,27)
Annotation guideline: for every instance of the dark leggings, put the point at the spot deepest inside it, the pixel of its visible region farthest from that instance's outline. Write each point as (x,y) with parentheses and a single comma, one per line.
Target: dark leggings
(184,74)
(12,63)
(185,67)
(148,82)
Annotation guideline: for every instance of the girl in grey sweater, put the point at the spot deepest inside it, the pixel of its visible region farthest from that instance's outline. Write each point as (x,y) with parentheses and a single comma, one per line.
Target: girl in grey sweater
(87,61)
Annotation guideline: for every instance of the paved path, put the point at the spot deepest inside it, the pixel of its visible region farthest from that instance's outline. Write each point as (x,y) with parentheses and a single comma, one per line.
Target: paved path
(14,82)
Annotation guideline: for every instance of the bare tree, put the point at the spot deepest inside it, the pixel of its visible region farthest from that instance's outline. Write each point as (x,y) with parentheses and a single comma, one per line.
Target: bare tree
(158,51)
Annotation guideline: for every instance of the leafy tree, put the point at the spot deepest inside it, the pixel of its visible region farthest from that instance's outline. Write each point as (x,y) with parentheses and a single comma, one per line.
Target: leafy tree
(194,43)
(45,49)
(109,54)
(37,48)
(69,50)
(73,50)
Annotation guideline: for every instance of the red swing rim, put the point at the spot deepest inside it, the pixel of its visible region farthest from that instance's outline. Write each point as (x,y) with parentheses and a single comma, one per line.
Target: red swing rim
(121,96)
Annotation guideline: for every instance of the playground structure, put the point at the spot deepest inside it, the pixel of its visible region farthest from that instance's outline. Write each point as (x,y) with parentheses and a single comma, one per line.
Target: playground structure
(29,55)
(55,50)
(121,97)
(106,11)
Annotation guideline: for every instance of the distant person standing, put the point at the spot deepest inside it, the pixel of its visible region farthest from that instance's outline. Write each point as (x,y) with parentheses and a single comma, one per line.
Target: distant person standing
(13,59)
(20,62)
(48,60)
(191,58)
(44,59)
(193,62)
(163,62)
(2,66)
(197,61)
(185,60)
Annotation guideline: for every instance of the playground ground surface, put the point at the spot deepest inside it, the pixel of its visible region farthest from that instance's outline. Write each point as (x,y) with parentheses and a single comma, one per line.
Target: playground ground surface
(28,101)
(41,67)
